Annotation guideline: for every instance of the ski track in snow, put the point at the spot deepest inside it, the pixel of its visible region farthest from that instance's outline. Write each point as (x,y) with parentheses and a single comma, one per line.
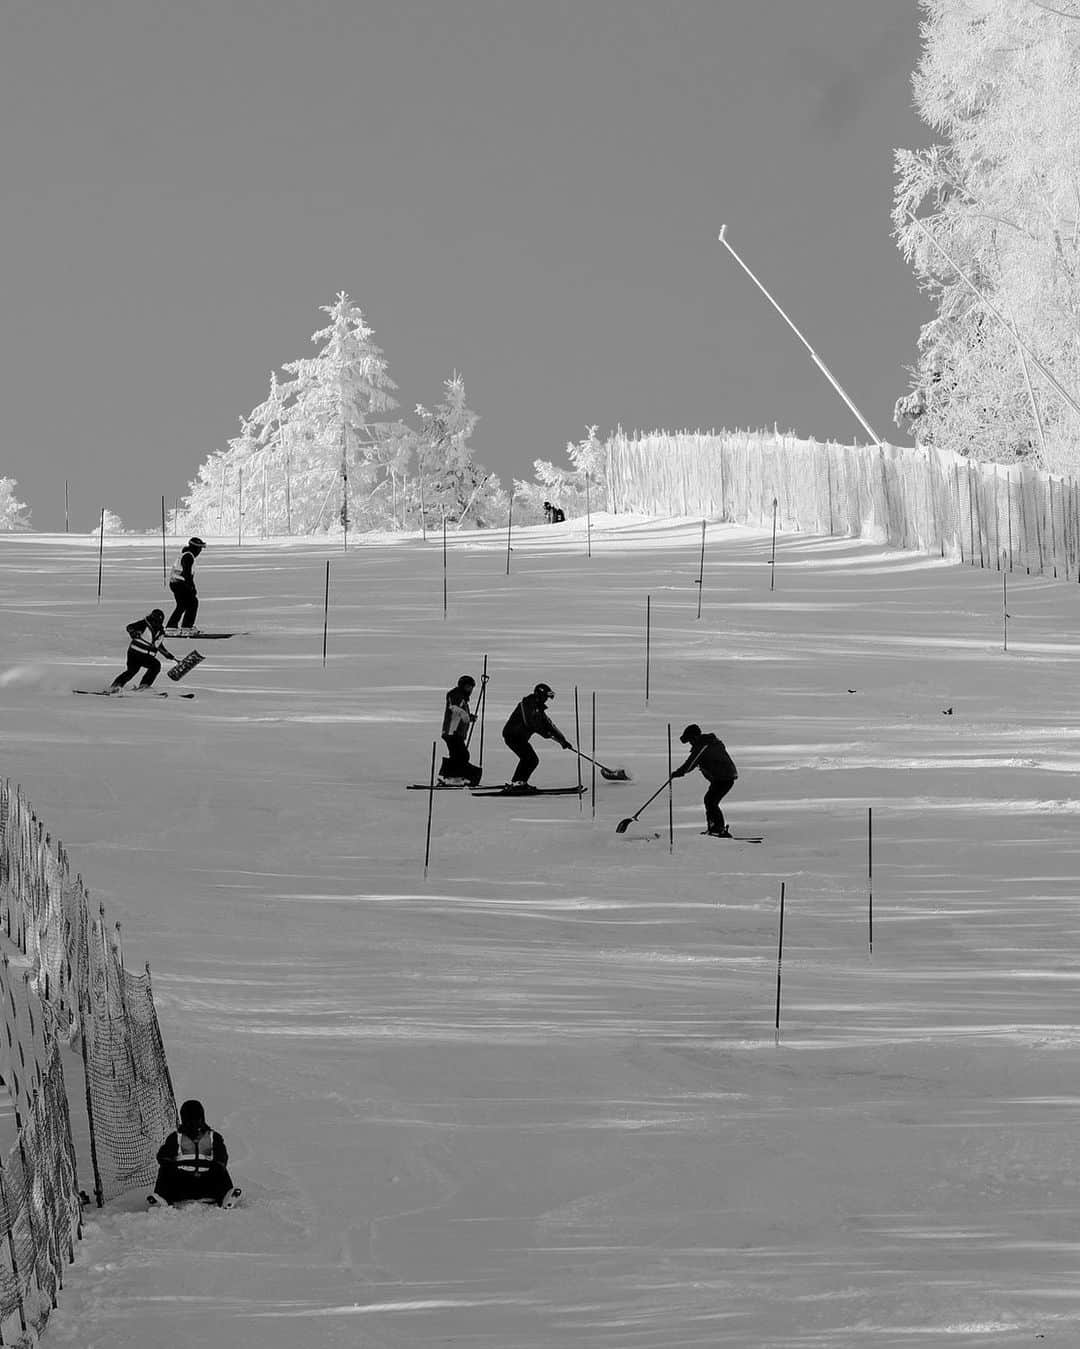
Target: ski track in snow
(536,1100)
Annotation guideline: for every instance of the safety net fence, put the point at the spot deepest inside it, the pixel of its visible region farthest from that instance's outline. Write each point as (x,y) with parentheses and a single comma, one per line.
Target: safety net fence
(70,1012)
(1008,517)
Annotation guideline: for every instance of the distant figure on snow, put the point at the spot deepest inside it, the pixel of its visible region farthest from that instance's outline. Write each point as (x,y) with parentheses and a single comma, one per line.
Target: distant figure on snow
(146,645)
(182,585)
(457,721)
(193,1163)
(552,514)
(708,753)
(530,718)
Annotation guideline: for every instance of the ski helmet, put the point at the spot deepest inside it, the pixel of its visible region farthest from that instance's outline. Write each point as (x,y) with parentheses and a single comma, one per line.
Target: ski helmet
(196,543)
(692,732)
(544,691)
(159,614)
(192,1117)
(466,680)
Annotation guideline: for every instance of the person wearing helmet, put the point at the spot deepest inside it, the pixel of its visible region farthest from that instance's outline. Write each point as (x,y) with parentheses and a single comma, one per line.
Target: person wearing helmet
(182,585)
(708,753)
(193,1163)
(458,718)
(530,718)
(147,644)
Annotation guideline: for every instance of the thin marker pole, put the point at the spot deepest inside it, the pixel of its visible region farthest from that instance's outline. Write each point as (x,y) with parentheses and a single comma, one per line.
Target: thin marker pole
(772,560)
(1005,609)
(509,526)
(594,754)
(430,808)
(701,570)
(870,875)
(66,528)
(648,642)
(423,512)
(239,507)
(482,705)
(670,796)
(577,746)
(779,960)
(444,564)
(813,354)
(101,551)
(164,566)
(326,612)
(588,519)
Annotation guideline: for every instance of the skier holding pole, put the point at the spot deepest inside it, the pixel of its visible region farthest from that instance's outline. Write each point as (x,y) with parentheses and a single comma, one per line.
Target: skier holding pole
(456,769)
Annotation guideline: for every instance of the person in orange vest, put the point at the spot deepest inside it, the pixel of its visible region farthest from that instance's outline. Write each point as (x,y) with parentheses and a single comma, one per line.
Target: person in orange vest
(182,585)
(193,1163)
(146,645)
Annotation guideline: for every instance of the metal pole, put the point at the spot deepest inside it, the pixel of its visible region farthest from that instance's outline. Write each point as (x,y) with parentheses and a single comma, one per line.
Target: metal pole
(444,564)
(430,808)
(648,642)
(509,525)
(164,565)
(772,560)
(701,570)
(813,354)
(588,519)
(66,506)
(670,796)
(101,550)
(594,754)
(870,874)
(779,960)
(326,612)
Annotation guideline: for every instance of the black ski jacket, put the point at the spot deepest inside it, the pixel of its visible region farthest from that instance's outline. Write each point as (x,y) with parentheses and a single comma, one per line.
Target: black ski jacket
(528,719)
(457,718)
(710,755)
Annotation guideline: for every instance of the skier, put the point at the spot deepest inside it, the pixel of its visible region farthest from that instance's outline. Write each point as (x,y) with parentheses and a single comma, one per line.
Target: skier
(708,753)
(457,719)
(530,718)
(146,644)
(182,585)
(193,1163)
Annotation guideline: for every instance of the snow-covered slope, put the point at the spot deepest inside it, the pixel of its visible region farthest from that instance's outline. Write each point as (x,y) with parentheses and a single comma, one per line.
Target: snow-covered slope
(535,1099)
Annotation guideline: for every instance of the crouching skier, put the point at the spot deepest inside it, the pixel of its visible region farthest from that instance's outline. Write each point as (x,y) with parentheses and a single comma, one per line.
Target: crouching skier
(146,643)
(193,1163)
(530,718)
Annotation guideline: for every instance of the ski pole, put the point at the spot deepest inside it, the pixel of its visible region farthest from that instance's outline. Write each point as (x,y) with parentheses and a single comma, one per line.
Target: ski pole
(624,825)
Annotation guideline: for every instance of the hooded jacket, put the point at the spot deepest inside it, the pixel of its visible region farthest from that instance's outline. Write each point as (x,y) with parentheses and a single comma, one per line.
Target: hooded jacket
(529,718)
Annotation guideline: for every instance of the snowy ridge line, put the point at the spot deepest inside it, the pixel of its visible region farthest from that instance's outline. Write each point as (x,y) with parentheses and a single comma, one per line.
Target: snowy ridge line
(75,994)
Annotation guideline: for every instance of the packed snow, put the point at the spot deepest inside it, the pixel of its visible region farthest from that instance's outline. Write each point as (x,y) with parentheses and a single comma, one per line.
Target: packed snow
(535,1098)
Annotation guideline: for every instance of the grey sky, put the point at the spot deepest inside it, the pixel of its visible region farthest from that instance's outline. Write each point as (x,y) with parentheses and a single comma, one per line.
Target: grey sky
(527,191)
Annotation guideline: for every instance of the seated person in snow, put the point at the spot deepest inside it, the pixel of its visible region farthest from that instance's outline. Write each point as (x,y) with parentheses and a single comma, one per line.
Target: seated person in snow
(192,1162)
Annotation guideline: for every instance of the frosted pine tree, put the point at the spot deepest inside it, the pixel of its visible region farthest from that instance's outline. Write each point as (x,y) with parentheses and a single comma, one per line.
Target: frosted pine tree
(344,457)
(14,515)
(450,482)
(581,487)
(996,203)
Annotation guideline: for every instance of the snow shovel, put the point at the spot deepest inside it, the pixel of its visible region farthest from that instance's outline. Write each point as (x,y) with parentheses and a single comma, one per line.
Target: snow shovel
(624,825)
(612,774)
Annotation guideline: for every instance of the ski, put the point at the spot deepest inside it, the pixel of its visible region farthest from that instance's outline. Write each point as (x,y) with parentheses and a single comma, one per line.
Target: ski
(518,795)
(198,632)
(439,787)
(119,693)
(734,838)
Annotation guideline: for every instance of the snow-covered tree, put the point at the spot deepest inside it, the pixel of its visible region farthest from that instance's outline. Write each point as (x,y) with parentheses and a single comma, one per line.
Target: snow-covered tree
(14,514)
(113,525)
(997,235)
(449,482)
(574,490)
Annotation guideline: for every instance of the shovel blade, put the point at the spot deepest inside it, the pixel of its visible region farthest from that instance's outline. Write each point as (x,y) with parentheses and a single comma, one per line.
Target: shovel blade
(624,825)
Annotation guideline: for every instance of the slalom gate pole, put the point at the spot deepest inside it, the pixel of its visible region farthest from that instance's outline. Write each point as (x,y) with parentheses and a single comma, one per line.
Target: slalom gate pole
(648,643)
(481,704)
(701,570)
(1005,609)
(164,564)
(577,751)
(239,507)
(870,876)
(813,354)
(430,808)
(509,526)
(670,796)
(101,552)
(423,512)
(588,519)
(594,754)
(444,564)
(772,559)
(779,960)
(66,526)
(326,612)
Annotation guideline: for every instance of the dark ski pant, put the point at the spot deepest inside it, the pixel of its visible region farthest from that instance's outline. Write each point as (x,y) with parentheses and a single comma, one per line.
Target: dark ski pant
(457,763)
(187,605)
(714,816)
(528,759)
(136,661)
(176,1183)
